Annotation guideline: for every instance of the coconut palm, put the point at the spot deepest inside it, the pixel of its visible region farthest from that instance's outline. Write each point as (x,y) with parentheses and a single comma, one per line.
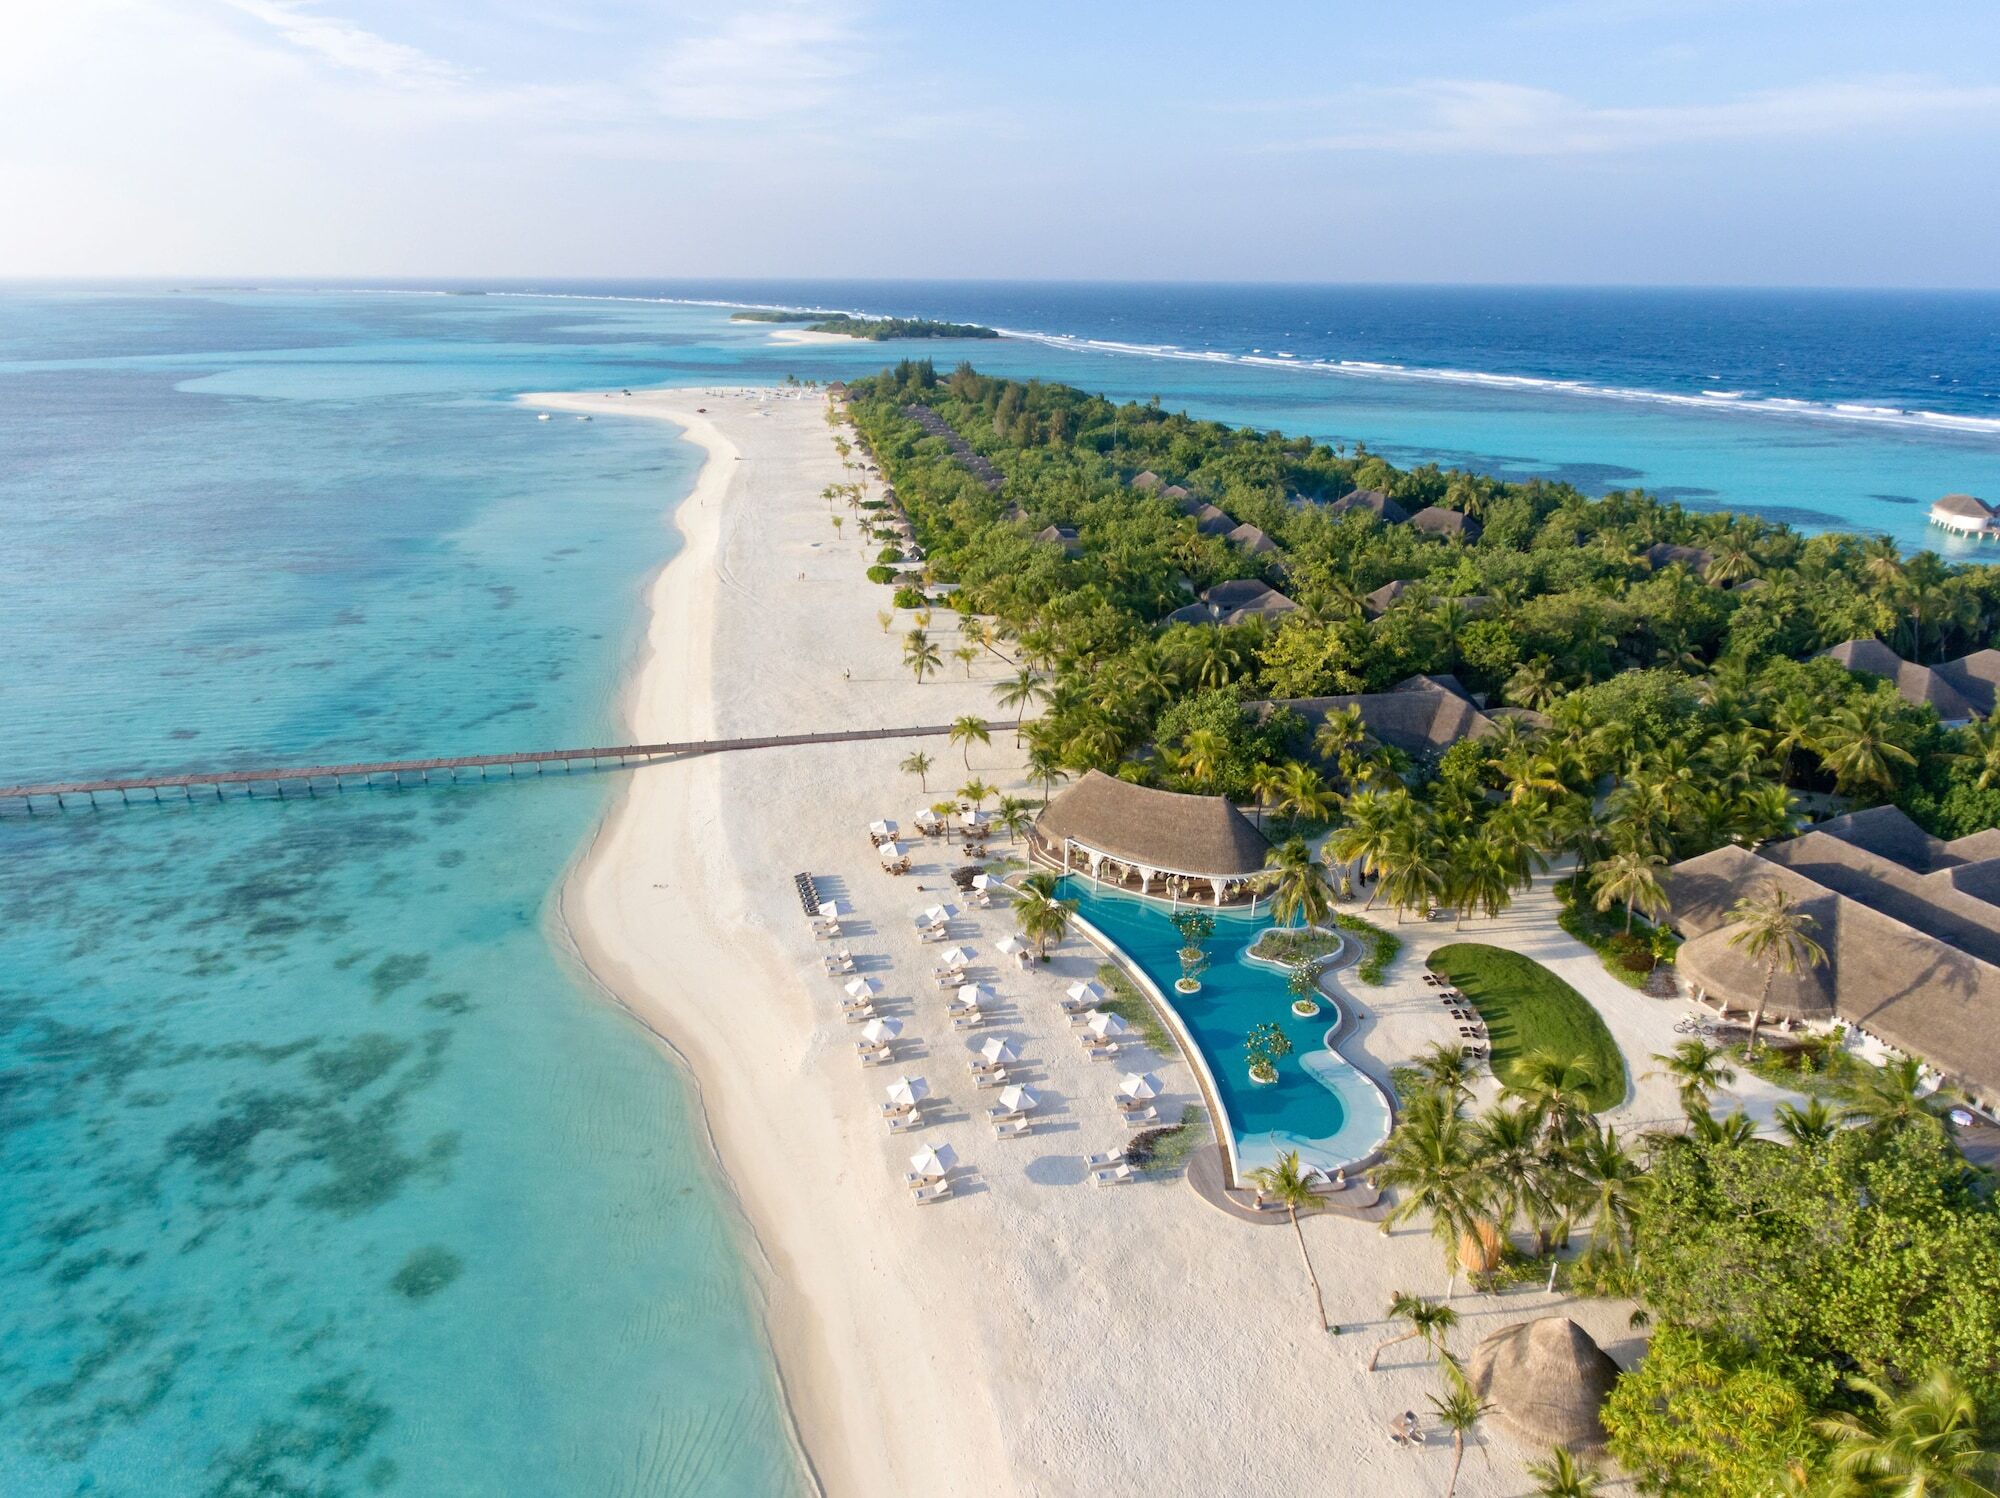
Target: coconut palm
(1519,1175)
(918,764)
(976,791)
(1427,1160)
(1012,814)
(1812,1124)
(1886,1099)
(1631,879)
(966,732)
(1365,836)
(1044,917)
(1202,755)
(1732,1131)
(1300,894)
(1266,786)
(1982,749)
(920,655)
(1561,1476)
(1556,1088)
(1770,928)
(1285,1182)
(1430,1320)
(1605,1185)
(1445,1068)
(965,655)
(1304,793)
(1045,768)
(1339,732)
(1855,745)
(1696,1069)
(1477,876)
(1458,1410)
(1921,1442)
(1412,874)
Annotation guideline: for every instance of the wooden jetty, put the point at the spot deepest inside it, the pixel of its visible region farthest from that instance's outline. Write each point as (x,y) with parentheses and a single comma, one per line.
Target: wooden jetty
(310,780)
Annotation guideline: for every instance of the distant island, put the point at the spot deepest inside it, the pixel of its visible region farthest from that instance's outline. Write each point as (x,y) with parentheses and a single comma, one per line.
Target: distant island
(876,329)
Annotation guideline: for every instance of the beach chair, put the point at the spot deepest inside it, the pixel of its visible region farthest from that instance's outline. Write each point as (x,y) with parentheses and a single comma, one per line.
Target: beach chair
(951,978)
(994,1078)
(1116,1175)
(935,1191)
(1001,1110)
(910,1118)
(1012,1128)
(874,1055)
(1107,1159)
(966,1019)
(1134,1117)
(1103,1050)
(858,1014)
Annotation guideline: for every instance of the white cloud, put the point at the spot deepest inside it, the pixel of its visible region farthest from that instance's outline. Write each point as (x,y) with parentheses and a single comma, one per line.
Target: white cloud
(346,46)
(763,64)
(1510,119)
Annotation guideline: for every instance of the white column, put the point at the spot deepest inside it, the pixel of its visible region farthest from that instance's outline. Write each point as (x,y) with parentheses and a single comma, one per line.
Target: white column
(1216,884)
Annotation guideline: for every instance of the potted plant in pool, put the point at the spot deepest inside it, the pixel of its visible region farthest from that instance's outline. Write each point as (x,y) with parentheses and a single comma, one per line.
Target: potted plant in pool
(1195,928)
(1305,992)
(1267,1043)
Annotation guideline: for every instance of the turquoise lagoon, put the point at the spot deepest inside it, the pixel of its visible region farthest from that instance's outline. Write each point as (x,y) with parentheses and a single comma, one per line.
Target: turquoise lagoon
(1321,1105)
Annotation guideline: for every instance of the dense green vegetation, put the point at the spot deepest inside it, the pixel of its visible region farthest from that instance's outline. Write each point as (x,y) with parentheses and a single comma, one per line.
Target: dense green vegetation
(1384,947)
(876,329)
(1527,1008)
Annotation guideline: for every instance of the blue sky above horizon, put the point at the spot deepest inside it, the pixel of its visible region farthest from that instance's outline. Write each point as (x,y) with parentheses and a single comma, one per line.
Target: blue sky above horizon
(1786,142)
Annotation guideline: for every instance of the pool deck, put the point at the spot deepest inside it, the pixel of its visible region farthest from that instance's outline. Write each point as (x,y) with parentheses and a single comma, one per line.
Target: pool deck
(1359,1200)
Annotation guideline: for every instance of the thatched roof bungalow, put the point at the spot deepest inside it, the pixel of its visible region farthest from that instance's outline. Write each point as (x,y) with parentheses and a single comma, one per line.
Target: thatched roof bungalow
(1385,597)
(1374,501)
(1435,520)
(1213,521)
(1063,536)
(1546,1380)
(1235,602)
(1147,479)
(1135,835)
(1252,540)
(1421,716)
(1958,690)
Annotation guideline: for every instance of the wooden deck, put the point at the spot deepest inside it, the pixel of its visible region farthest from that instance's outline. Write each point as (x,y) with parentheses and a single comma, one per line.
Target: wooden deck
(396,772)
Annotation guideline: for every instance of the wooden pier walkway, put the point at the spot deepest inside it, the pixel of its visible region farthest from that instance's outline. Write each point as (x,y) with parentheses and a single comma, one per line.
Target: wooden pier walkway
(392,773)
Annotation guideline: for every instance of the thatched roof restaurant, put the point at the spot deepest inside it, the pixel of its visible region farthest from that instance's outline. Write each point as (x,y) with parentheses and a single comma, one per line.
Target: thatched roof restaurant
(1546,1380)
(1910,924)
(1134,835)
(1964,514)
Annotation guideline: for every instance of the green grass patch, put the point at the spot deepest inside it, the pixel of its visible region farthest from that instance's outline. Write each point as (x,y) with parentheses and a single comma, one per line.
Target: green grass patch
(1135,1009)
(1528,1008)
(1383,946)
(1292,945)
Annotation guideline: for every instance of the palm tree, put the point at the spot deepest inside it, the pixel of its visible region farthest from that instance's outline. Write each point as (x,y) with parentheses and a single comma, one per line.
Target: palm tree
(1432,1320)
(1045,767)
(1012,814)
(1561,1476)
(1445,1068)
(920,655)
(1458,1410)
(1772,929)
(1018,692)
(1340,731)
(1412,877)
(1201,756)
(976,791)
(1367,833)
(965,655)
(1731,1131)
(1886,1099)
(1556,1087)
(1605,1187)
(1812,1124)
(919,765)
(1427,1160)
(1300,894)
(1533,685)
(1519,1180)
(1266,786)
(1696,1069)
(967,731)
(1304,793)
(1915,1443)
(1633,880)
(1285,1182)
(1477,876)
(1855,745)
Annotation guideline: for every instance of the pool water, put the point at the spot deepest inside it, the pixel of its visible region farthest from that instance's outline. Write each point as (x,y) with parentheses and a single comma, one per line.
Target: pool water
(1321,1106)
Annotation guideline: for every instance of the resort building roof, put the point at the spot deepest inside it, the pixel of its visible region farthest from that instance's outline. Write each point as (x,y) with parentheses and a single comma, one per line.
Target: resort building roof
(1146,480)
(1962,512)
(1211,521)
(1420,715)
(1150,832)
(1926,686)
(1374,501)
(1910,925)
(1385,597)
(1063,536)
(1666,554)
(1235,602)
(1252,540)
(1175,492)
(1547,1380)
(1435,520)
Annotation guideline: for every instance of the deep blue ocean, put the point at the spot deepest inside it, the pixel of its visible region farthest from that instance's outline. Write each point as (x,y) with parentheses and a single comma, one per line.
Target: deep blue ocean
(322,1169)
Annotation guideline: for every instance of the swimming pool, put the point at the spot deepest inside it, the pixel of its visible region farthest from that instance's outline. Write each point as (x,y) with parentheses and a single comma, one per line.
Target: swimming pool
(1320,1105)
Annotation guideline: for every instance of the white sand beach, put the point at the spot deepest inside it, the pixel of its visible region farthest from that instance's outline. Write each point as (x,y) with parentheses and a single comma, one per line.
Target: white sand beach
(807,335)
(1032,1333)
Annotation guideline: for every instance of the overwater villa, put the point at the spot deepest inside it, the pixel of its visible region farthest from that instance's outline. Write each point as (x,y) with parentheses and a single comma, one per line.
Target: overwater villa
(1151,842)
(1966,515)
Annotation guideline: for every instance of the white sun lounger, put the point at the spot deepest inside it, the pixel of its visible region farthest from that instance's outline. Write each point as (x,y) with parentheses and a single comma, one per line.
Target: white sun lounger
(1117,1175)
(1137,1116)
(995,1078)
(1108,1158)
(1012,1128)
(1001,1110)
(859,1014)
(909,1118)
(1103,1050)
(936,1191)
(966,1019)
(874,1055)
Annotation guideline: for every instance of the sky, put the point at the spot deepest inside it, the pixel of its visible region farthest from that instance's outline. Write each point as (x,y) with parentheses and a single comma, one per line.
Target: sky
(1738,142)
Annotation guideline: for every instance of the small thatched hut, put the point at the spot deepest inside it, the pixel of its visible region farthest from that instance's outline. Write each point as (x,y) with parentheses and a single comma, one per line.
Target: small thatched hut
(1546,1381)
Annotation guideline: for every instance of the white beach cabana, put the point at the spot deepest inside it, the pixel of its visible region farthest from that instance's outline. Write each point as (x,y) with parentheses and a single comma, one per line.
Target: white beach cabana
(998,1052)
(862,989)
(955,957)
(934,1163)
(1140,1086)
(831,910)
(907,1092)
(1018,1099)
(881,1031)
(1104,1026)
(937,915)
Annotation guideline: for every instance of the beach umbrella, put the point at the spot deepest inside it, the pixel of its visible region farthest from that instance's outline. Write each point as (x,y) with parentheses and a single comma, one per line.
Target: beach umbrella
(976,818)
(935,1161)
(1019,1099)
(1087,993)
(883,829)
(971,995)
(1011,944)
(891,852)
(983,881)
(831,910)
(955,957)
(907,1092)
(937,915)
(1102,1025)
(863,988)
(998,1052)
(1140,1085)
(881,1031)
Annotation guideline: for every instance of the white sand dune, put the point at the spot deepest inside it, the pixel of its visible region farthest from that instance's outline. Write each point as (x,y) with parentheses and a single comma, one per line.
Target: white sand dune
(1031,1334)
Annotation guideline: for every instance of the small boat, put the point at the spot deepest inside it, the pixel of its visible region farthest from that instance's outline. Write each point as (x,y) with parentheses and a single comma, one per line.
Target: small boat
(583,418)
(543,417)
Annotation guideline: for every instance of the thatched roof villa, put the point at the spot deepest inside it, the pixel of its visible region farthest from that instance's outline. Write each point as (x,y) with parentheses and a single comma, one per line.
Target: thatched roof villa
(1420,715)
(1235,602)
(1910,924)
(1959,690)
(1212,521)
(1252,540)
(1135,836)
(1435,520)
(1063,536)
(1374,501)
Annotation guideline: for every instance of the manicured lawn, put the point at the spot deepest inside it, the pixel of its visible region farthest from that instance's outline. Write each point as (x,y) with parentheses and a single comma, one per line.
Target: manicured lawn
(1528,1008)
